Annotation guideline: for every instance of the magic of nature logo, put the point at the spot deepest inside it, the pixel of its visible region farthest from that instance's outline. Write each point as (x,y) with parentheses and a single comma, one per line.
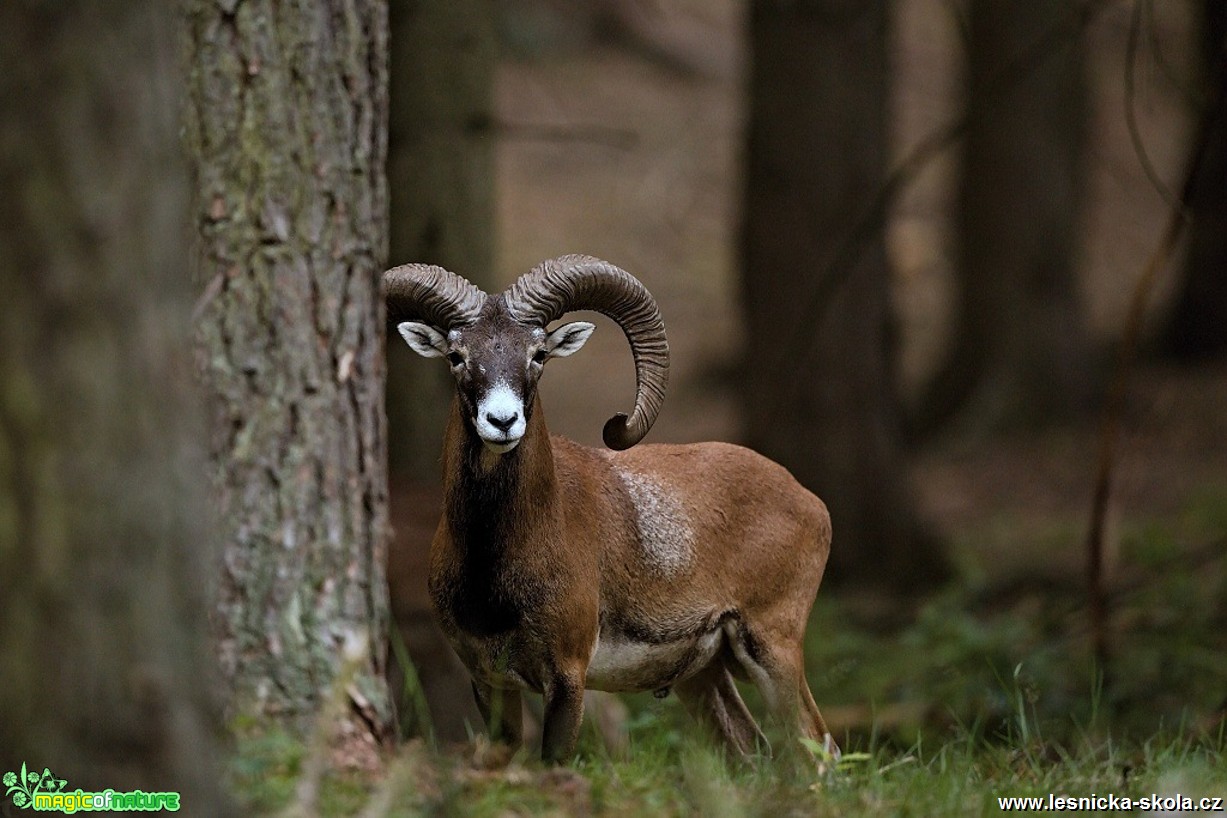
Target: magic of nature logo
(44,792)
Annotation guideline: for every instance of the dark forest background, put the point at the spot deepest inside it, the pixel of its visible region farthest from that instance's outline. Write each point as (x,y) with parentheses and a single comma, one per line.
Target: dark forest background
(961,266)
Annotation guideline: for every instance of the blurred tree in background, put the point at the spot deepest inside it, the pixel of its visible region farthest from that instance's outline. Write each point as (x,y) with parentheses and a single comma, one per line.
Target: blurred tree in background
(286,129)
(104,533)
(1197,326)
(1021,351)
(441,191)
(819,393)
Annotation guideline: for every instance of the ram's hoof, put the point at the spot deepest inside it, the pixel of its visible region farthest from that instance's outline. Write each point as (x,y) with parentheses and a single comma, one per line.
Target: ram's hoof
(661,692)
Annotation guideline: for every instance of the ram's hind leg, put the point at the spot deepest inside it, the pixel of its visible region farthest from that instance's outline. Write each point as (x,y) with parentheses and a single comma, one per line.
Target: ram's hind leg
(711,697)
(815,718)
(775,663)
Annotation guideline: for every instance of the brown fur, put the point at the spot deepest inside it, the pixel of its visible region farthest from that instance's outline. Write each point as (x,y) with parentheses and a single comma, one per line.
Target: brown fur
(539,553)
(445,684)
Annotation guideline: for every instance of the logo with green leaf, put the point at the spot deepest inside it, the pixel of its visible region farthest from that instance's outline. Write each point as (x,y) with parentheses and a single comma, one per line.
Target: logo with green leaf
(24,785)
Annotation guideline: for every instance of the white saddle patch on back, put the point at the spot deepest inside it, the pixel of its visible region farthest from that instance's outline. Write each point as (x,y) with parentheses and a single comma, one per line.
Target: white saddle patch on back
(664,526)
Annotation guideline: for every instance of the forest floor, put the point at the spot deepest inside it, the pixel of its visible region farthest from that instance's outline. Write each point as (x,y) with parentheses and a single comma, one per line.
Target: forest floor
(986,688)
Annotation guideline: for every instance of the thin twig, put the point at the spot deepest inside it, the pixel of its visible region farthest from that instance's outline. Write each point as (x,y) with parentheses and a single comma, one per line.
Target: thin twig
(212,289)
(857,240)
(1113,409)
(1131,117)
(1189,93)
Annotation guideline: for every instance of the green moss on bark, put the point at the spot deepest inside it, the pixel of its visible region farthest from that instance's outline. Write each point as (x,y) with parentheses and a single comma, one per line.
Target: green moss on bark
(286,127)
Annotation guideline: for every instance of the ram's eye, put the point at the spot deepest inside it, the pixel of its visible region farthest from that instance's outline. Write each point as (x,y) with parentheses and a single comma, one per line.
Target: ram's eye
(455,358)
(540,355)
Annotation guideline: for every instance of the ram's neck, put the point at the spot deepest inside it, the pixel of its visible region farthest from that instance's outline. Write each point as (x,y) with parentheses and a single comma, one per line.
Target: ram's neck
(491,499)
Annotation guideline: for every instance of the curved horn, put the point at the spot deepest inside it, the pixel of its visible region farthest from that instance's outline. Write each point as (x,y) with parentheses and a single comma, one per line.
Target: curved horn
(568,283)
(437,296)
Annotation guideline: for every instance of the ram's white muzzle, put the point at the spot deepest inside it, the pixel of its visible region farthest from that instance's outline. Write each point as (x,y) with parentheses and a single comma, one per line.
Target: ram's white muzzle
(500,419)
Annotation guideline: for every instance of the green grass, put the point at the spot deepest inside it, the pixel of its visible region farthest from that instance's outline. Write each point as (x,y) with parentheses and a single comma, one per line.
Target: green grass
(986,692)
(962,776)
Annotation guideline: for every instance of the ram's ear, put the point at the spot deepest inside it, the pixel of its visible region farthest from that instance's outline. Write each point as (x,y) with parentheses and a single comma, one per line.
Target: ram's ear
(423,339)
(567,339)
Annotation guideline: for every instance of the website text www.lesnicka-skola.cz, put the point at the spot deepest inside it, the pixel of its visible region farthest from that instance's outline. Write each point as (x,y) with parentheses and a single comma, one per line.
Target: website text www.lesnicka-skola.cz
(1109,803)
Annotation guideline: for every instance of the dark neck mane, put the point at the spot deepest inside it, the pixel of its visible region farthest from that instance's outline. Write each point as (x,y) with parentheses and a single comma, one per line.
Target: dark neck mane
(489,506)
(488,496)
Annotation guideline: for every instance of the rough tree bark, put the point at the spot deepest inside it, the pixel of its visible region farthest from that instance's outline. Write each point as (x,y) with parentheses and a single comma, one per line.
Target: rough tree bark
(441,186)
(286,126)
(1021,353)
(104,535)
(1197,326)
(817,147)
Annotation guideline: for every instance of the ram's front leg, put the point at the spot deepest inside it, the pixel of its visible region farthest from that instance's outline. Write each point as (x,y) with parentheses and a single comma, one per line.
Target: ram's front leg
(564,710)
(501,710)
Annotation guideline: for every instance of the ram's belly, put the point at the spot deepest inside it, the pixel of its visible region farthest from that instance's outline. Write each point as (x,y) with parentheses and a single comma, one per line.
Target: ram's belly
(620,664)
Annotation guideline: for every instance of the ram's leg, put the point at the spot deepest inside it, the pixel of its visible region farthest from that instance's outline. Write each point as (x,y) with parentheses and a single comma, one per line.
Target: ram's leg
(564,710)
(500,707)
(711,697)
(816,719)
(775,662)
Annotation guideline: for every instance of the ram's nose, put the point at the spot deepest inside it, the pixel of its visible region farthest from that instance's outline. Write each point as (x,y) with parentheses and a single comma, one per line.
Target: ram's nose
(504,423)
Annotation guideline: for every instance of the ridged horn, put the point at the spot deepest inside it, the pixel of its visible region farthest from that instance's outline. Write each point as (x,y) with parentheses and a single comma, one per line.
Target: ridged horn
(561,285)
(429,293)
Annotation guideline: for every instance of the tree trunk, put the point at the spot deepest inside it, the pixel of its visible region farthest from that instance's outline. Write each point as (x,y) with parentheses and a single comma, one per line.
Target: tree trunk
(817,147)
(1197,326)
(1021,354)
(441,172)
(286,126)
(441,184)
(104,536)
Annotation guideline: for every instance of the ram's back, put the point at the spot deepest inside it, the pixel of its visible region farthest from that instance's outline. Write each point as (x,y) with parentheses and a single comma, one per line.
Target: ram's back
(693,527)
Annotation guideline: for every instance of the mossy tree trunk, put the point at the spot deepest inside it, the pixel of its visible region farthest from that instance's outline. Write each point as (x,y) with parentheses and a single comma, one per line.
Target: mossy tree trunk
(286,127)
(104,534)
(441,183)
(816,154)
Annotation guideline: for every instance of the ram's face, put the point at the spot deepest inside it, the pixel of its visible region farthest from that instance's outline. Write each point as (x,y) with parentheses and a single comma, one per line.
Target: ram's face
(496,362)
